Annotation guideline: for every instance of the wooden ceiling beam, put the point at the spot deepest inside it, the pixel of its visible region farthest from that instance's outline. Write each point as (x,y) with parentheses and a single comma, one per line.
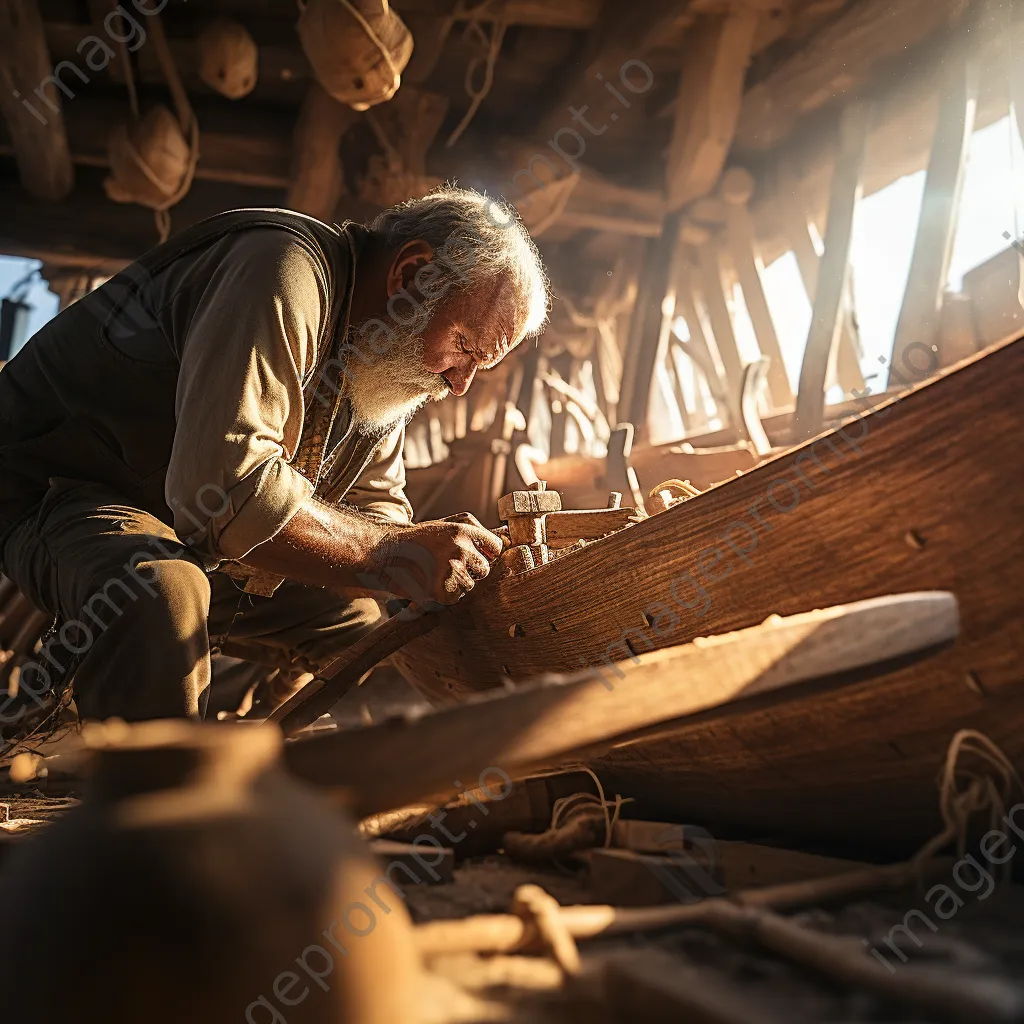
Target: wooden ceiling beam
(31,104)
(624,33)
(573,14)
(88,230)
(714,64)
(283,68)
(253,158)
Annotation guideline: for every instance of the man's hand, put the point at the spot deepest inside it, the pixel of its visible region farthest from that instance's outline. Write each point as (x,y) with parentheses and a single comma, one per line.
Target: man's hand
(434,561)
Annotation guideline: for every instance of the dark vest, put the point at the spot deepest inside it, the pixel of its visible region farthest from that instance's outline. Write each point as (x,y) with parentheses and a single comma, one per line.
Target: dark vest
(75,405)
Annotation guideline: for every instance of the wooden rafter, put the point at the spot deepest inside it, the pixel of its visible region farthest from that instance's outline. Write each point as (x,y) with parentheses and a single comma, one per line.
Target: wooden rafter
(847,54)
(802,164)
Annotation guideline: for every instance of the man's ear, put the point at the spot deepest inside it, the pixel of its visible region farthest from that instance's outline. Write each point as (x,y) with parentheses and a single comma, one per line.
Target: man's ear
(407,261)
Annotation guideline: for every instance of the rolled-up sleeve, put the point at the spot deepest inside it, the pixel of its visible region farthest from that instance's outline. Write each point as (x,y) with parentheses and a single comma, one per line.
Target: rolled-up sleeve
(239,404)
(380,490)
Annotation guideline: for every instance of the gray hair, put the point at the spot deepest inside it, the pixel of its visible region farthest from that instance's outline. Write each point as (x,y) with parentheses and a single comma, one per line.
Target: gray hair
(480,238)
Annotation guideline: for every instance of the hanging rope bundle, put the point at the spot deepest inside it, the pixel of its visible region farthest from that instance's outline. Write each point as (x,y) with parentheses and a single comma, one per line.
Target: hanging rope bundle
(228,58)
(490,46)
(153,159)
(358,51)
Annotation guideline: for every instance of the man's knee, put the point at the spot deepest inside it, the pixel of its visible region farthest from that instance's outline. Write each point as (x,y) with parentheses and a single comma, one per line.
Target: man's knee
(169,594)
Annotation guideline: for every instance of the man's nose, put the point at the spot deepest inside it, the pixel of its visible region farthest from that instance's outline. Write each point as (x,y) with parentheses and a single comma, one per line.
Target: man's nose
(460,378)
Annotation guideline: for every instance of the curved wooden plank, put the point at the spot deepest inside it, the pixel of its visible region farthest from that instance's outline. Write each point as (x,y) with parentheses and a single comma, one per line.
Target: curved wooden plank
(410,760)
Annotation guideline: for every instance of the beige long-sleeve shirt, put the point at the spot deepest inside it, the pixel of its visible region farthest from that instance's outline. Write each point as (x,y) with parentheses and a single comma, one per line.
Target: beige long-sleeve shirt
(245,316)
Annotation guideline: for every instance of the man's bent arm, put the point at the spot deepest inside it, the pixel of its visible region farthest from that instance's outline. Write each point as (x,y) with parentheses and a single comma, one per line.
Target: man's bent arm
(345,550)
(325,546)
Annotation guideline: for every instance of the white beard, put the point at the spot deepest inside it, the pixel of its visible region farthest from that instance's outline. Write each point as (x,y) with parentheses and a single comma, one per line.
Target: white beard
(387,389)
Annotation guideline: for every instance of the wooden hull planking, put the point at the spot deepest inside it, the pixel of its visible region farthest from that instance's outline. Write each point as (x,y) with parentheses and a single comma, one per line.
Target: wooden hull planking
(924,492)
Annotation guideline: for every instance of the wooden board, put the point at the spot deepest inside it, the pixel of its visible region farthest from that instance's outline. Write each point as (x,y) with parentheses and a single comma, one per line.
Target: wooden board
(927,492)
(508,735)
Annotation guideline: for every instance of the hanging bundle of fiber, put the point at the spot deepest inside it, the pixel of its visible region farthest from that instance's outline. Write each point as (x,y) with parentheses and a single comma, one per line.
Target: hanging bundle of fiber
(358,49)
(228,58)
(153,158)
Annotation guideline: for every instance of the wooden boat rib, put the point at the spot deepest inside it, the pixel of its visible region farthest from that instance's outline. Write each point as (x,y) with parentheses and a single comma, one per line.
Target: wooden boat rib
(924,492)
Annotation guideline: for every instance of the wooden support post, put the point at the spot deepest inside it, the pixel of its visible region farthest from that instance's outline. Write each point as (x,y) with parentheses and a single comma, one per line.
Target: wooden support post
(648,326)
(848,373)
(697,346)
(461,416)
(562,365)
(30,102)
(716,56)
(722,328)
(317,179)
(827,317)
(807,246)
(919,320)
(1017,94)
(522,392)
(737,188)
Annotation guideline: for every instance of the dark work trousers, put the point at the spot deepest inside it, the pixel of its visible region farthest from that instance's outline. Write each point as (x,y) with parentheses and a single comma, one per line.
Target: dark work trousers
(138,613)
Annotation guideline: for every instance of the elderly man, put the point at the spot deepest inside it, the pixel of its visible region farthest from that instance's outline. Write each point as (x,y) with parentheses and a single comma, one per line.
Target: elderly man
(228,413)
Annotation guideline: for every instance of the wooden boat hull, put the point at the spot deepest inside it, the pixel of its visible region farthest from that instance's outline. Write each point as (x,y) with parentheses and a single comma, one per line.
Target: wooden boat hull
(925,492)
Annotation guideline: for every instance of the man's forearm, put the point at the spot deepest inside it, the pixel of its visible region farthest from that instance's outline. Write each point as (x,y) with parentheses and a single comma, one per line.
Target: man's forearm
(325,546)
(345,550)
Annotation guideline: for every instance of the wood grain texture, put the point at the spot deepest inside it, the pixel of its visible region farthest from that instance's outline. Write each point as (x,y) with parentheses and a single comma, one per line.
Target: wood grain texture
(945,462)
(383,767)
